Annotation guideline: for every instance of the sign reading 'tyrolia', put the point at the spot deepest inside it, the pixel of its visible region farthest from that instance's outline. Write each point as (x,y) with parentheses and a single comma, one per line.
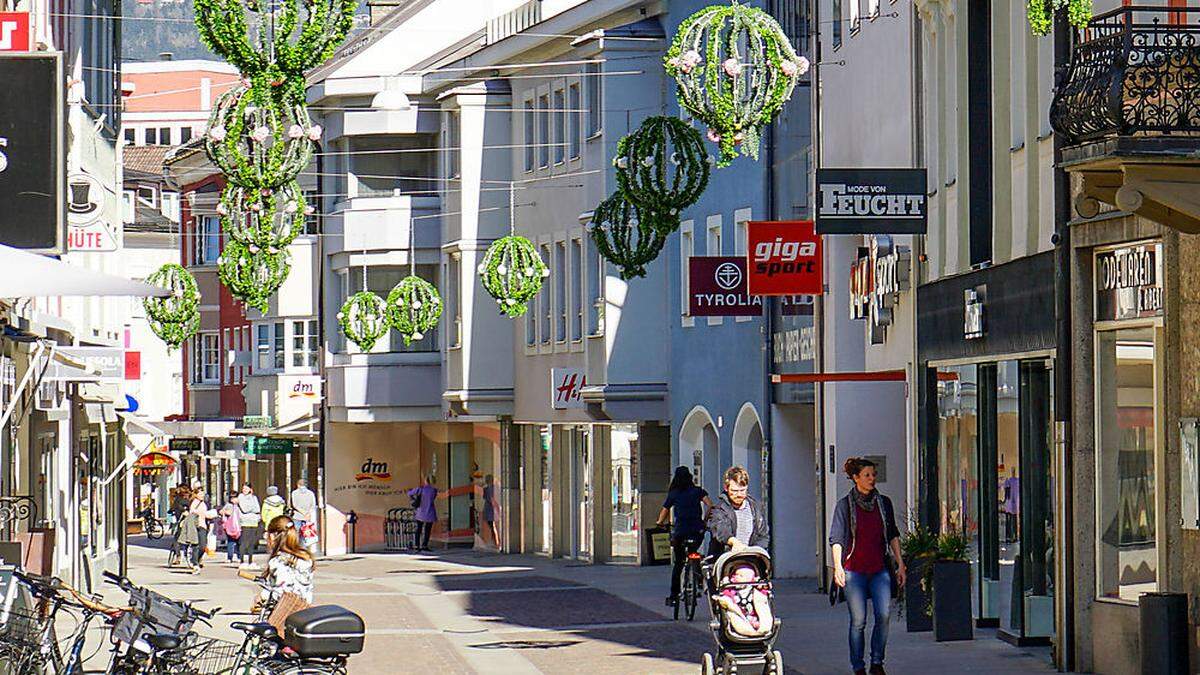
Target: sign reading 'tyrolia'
(33,179)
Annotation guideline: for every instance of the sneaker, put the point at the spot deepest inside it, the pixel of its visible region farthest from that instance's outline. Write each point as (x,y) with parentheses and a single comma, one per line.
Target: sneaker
(670,601)
(877,669)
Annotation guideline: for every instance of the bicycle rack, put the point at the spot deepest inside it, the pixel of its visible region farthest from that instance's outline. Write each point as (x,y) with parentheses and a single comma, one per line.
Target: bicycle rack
(400,529)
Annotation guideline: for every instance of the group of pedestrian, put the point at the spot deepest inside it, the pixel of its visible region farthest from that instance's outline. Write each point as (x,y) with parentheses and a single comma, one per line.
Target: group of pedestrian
(239,524)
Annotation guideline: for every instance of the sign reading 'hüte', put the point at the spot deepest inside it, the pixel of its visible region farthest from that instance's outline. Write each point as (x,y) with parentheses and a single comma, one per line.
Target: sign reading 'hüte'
(871,201)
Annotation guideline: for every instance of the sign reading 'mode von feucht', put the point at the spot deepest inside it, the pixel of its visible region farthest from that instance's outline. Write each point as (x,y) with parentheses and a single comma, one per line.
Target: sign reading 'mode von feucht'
(1129,282)
(871,201)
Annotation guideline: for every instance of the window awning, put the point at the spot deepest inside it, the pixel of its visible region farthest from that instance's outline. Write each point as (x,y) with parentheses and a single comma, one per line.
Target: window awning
(28,275)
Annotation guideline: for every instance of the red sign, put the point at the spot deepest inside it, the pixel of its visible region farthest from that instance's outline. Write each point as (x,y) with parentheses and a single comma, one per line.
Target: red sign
(133,365)
(717,287)
(784,258)
(14,32)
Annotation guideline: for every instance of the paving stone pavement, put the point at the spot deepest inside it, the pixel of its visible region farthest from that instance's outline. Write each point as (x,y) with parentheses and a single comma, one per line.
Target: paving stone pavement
(479,612)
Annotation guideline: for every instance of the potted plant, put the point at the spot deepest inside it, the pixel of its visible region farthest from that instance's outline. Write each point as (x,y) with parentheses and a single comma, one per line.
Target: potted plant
(918,546)
(952,588)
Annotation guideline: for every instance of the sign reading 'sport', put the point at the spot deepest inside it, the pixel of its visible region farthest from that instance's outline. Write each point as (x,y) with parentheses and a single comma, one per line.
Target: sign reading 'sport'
(783,257)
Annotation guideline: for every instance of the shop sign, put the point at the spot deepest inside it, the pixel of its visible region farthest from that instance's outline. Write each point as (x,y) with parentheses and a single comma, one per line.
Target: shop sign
(795,345)
(256,422)
(88,203)
(133,365)
(373,470)
(14,32)
(154,463)
(260,445)
(871,201)
(784,258)
(1129,282)
(876,280)
(32,156)
(973,302)
(717,287)
(185,445)
(100,364)
(566,388)
(301,387)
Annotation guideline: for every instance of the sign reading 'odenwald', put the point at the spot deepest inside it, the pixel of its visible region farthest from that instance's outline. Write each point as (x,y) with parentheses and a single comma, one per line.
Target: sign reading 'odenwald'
(784,258)
(871,201)
(1129,282)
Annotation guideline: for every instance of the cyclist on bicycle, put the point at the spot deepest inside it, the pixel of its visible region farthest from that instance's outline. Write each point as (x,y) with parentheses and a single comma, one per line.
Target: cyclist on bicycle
(737,521)
(691,505)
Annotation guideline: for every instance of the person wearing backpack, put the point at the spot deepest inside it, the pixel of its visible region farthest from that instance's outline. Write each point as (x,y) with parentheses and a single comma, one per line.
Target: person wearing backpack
(230,524)
(250,521)
(273,506)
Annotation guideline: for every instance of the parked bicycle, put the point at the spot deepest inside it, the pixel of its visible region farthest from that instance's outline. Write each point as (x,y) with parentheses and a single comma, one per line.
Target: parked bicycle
(153,526)
(28,639)
(155,636)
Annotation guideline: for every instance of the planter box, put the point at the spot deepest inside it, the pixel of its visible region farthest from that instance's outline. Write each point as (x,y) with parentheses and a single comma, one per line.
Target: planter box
(915,598)
(952,601)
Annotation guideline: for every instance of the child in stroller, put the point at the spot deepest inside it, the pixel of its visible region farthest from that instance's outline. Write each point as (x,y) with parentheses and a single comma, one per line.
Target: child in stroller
(743,622)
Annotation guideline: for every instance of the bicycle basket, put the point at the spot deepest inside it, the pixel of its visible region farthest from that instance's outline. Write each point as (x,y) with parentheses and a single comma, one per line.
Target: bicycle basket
(152,613)
(209,656)
(21,629)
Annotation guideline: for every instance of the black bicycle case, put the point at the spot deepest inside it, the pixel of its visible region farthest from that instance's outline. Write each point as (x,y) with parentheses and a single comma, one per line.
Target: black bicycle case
(325,630)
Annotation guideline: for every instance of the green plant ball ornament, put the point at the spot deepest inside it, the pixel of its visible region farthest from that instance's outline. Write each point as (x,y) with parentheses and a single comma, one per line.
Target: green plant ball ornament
(266,217)
(184,301)
(663,168)
(253,273)
(175,333)
(413,308)
(734,69)
(258,138)
(624,238)
(512,272)
(364,319)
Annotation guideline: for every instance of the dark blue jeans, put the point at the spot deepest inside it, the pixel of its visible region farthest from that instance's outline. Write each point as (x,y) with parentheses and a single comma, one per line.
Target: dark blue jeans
(860,587)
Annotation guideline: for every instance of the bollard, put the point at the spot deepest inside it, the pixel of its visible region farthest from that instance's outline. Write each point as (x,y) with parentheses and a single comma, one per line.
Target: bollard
(1164,633)
(352,520)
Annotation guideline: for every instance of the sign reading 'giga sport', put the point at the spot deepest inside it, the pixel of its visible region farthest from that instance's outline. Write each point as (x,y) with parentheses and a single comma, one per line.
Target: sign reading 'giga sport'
(784,258)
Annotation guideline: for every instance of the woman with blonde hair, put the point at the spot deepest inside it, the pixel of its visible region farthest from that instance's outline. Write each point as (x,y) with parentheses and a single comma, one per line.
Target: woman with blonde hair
(290,566)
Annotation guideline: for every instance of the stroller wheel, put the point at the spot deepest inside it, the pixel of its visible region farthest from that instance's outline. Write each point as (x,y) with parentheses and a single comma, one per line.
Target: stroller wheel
(728,665)
(706,665)
(774,663)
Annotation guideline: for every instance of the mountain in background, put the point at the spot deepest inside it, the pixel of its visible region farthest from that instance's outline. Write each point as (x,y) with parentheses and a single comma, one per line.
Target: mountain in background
(144,40)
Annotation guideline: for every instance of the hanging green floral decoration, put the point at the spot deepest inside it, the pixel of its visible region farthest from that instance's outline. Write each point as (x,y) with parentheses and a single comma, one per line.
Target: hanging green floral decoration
(413,308)
(175,333)
(512,272)
(663,168)
(735,92)
(364,319)
(253,273)
(279,40)
(1041,14)
(184,300)
(259,139)
(267,217)
(624,238)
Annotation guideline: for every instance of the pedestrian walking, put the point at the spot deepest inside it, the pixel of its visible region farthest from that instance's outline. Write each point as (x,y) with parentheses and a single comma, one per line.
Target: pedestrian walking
(181,499)
(691,505)
(231,527)
(424,502)
(251,524)
(489,508)
(866,556)
(203,514)
(304,513)
(273,506)
(737,520)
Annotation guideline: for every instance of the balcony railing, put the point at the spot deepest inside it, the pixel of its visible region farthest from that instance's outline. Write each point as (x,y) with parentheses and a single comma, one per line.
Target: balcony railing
(1134,71)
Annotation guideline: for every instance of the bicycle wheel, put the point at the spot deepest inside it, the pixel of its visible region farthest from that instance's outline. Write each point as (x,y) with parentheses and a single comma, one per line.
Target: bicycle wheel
(693,596)
(154,529)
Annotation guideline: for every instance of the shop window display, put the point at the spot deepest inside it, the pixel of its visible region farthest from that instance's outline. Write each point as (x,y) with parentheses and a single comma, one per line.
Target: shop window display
(624,448)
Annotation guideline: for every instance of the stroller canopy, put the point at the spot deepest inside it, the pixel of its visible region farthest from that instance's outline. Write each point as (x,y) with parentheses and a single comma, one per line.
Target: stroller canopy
(753,555)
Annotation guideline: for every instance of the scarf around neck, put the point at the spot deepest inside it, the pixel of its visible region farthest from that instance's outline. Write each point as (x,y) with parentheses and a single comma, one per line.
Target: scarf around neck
(865,502)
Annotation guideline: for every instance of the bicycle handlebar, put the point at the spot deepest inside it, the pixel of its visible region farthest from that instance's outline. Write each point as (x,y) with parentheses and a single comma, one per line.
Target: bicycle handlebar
(126,585)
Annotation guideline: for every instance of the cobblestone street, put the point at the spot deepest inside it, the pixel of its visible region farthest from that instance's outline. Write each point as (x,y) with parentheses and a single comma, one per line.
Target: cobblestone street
(473,612)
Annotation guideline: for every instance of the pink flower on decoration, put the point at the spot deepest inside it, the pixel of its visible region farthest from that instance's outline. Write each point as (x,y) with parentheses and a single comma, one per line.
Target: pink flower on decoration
(221,210)
(308,210)
(739,137)
(292,207)
(673,62)
(314,132)
(690,59)
(794,68)
(732,67)
(713,135)
(295,131)
(260,134)
(256,207)
(217,133)
(245,82)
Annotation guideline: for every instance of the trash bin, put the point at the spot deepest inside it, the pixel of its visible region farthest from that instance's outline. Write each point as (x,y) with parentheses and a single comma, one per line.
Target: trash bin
(1164,640)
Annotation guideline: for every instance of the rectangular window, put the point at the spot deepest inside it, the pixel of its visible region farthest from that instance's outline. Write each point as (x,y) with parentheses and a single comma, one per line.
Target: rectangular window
(263,360)
(838,17)
(544,308)
(150,136)
(574,115)
(1127,417)
(164,135)
(560,132)
(593,83)
(560,290)
(227,366)
(146,196)
(453,144)
(170,206)
(304,344)
(207,238)
(855,22)
(872,9)
(543,131)
(530,135)
(595,290)
(740,218)
(453,299)
(713,244)
(578,292)
(130,135)
(185,134)
(687,248)
(279,342)
(206,358)
(127,199)
(312,222)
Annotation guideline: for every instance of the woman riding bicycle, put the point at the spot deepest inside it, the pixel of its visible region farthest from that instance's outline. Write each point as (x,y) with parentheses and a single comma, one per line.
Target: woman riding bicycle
(290,568)
(691,505)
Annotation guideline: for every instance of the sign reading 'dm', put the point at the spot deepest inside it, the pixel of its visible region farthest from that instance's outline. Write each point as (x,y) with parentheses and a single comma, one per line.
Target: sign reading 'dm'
(871,201)
(32,159)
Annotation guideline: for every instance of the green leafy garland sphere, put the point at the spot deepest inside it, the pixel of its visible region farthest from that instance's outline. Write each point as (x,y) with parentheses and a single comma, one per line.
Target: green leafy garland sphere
(266,217)
(663,168)
(184,301)
(175,333)
(364,319)
(736,94)
(512,272)
(1040,14)
(413,308)
(258,138)
(623,238)
(279,40)
(252,273)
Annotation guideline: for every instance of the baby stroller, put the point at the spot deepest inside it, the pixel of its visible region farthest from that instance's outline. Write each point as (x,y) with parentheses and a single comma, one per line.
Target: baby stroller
(737,652)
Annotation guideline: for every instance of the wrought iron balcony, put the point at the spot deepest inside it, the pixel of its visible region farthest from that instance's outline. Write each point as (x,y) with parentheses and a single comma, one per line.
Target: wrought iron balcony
(1134,71)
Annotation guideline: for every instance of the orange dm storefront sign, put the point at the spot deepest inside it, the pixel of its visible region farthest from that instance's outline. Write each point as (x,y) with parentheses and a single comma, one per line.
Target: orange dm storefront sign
(372,470)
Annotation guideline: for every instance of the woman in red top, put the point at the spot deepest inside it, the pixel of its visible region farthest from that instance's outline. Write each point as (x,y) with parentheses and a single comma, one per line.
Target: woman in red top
(862,535)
